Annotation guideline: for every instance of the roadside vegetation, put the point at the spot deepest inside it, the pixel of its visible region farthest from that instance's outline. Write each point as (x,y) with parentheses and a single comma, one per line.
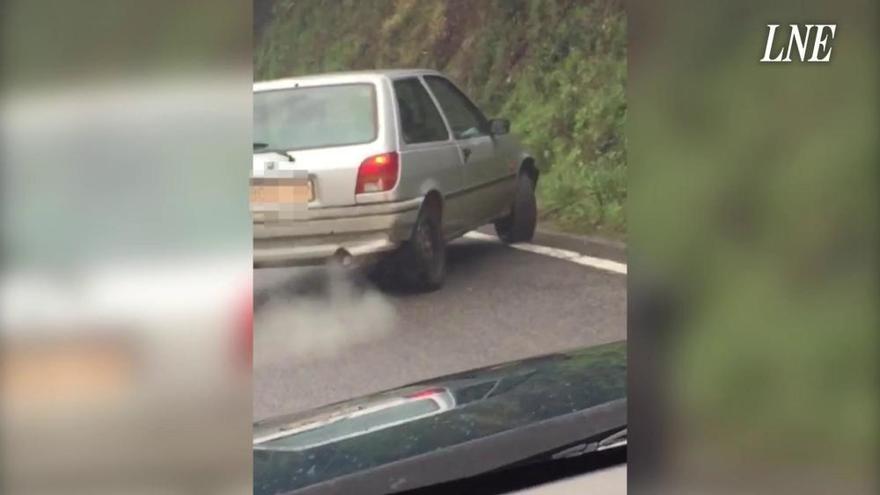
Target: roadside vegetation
(555,68)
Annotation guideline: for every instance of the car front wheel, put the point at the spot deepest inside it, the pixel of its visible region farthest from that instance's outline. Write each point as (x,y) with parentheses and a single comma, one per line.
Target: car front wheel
(519,225)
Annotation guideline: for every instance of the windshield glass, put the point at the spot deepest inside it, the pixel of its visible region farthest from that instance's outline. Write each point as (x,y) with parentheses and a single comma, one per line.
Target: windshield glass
(314,117)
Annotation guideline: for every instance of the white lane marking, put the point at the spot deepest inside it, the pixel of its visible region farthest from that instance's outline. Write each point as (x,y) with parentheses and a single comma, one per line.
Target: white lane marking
(563,254)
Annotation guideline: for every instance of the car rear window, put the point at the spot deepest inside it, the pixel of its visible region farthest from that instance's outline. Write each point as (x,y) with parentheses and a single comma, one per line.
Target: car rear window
(314,117)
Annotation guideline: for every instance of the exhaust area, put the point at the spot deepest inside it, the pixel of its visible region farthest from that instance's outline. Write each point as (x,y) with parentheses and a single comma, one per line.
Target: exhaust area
(317,312)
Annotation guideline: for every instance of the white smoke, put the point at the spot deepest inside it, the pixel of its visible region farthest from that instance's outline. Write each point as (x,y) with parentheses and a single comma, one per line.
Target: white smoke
(316,313)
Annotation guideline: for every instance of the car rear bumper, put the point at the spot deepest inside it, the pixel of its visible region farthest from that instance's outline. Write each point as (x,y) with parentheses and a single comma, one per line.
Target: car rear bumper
(315,236)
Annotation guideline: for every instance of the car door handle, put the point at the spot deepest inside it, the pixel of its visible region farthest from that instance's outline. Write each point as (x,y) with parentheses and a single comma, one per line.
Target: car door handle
(466,152)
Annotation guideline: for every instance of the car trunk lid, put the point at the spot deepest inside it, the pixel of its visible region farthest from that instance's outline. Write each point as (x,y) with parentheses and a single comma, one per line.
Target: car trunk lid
(332,171)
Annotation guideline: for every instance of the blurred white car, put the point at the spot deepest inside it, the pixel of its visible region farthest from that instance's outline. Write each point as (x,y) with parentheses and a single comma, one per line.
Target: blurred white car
(126,289)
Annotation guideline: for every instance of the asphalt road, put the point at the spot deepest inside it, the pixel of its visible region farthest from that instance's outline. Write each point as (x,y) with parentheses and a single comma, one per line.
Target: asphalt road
(324,337)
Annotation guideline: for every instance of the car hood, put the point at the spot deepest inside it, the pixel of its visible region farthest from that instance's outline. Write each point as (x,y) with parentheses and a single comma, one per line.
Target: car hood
(536,405)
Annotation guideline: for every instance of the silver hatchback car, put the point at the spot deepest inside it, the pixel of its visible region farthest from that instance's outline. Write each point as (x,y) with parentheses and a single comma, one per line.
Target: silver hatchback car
(381,165)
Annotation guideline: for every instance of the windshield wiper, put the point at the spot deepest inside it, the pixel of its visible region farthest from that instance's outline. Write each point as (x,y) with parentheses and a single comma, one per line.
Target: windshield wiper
(264,148)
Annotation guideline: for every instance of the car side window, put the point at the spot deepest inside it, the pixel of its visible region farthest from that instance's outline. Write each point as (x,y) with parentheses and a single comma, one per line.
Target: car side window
(420,121)
(464,117)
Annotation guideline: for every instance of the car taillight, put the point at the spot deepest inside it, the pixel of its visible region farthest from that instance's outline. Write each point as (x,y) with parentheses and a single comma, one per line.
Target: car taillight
(244,329)
(378,173)
(422,394)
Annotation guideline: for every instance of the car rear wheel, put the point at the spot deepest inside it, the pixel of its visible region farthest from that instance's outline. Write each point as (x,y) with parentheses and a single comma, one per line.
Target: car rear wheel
(423,263)
(519,225)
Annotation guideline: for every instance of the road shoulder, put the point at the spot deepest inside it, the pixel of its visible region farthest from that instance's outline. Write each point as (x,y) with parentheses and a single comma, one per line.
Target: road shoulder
(590,245)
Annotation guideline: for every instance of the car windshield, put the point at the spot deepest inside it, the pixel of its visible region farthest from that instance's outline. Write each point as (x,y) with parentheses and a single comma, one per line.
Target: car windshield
(314,117)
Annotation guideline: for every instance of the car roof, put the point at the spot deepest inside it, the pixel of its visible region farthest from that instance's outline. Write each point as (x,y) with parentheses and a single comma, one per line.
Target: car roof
(341,78)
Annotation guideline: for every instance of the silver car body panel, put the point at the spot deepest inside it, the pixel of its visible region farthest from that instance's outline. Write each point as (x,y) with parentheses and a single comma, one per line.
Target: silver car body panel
(475,178)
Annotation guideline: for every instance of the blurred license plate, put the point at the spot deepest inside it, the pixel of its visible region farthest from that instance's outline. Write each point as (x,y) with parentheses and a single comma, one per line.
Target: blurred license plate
(65,373)
(282,191)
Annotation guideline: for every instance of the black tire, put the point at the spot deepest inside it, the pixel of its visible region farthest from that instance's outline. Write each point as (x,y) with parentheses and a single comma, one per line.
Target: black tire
(423,257)
(519,225)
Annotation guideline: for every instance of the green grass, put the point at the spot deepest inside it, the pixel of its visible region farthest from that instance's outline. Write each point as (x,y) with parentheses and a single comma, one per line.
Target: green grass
(556,69)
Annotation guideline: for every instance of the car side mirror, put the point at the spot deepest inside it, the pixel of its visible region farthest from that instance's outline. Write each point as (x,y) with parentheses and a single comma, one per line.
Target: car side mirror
(499,126)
